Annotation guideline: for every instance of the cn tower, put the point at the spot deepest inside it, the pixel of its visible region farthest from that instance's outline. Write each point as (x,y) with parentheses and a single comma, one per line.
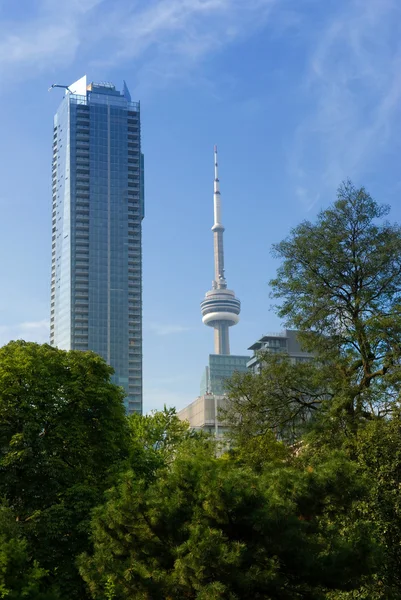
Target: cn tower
(220,308)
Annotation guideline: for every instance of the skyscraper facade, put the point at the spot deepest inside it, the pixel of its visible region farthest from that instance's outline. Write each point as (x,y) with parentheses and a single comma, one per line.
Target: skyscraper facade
(98,207)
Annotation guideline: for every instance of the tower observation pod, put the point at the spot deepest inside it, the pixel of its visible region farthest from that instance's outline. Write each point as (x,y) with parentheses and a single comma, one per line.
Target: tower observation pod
(220,308)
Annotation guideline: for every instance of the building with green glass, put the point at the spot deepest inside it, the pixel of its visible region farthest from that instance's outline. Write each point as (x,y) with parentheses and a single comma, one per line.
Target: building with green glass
(220,368)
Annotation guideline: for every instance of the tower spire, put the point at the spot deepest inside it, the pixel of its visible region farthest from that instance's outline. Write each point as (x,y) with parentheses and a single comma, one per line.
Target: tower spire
(220,308)
(216,196)
(218,229)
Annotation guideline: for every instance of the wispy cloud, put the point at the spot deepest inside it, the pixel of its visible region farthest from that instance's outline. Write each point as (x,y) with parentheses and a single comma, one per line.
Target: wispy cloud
(354,90)
(190,27)
(113,32)
(167,329)
(47,40)
(33,331)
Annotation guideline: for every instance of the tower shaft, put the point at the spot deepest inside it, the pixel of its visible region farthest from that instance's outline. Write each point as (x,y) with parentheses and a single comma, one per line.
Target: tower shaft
(219,260)
(221,338)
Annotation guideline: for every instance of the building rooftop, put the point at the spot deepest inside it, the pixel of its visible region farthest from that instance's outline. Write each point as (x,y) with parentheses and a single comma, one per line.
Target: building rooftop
(266,337)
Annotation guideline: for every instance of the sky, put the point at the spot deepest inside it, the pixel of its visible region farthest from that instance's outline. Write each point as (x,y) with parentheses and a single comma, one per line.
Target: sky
(297,94)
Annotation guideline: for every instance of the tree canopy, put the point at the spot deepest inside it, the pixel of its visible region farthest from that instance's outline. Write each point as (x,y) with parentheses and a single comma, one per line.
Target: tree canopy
(208,528)
(62,432)
(20,574)
(339,283)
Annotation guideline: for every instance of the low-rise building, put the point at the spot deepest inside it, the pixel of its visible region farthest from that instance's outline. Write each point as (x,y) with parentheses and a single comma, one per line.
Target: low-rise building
(277,343)
(203,414)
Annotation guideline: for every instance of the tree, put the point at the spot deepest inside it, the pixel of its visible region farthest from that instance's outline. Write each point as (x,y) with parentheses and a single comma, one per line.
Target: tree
(340,284)
(20,575)
(276,403)
(378,451)
(63,432)
(210,528)
(154,440)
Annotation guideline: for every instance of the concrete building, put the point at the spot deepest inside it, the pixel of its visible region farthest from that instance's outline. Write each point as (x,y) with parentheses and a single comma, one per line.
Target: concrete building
(283,342)
(203,414)
(98,207)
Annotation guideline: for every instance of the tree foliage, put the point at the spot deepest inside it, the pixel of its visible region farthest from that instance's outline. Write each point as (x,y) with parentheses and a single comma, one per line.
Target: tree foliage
(20,575)
(378,451)
(339,283)
(209,528)
(278,401)
(154,440)
(62,430)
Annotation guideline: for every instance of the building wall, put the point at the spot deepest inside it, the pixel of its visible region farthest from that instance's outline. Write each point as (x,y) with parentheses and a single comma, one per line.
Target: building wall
(201,413)
(284,342)
(97,212)
(221,367)
(60,318)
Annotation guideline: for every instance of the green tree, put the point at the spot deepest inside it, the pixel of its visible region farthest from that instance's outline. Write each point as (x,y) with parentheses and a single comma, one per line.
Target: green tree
(20,575)
(378,450)
(277,402)
(375,449)
(209,529)
(339,283)
(154,440)
(63,432)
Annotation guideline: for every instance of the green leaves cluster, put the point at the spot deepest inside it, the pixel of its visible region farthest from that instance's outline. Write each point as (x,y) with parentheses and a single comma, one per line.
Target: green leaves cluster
(20,574)
(339,283)
(63,431)
(104,507)
(209,528)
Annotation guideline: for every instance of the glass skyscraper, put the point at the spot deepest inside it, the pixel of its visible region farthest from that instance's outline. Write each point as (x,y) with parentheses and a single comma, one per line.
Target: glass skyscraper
(98,207)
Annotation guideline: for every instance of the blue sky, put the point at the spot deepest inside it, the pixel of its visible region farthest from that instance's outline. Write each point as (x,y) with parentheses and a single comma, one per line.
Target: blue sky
(298,95)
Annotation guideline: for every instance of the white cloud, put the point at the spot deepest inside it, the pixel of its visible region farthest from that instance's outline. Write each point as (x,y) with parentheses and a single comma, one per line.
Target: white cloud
(29,46)
(354,92)
(49,39)
(114,32)
(189,27)
(32,331)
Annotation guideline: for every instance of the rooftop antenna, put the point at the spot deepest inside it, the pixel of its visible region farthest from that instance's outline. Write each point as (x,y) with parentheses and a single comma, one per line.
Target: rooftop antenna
(56,85)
